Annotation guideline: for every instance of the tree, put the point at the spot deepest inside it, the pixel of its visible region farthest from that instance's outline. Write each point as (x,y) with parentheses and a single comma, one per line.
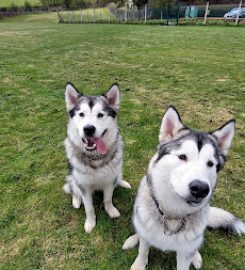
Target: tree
(68,4)
(140,3)
(27,6)
(51,3)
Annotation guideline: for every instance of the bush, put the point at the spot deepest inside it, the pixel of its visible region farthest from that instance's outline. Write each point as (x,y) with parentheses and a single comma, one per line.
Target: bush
(3,9)
(80,4)
(13,7)
(53,3)
(27,6)
(67,4)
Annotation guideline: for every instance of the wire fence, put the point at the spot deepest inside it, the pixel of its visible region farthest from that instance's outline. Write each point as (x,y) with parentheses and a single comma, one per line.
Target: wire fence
(4,12)
(122,15)
(171,14)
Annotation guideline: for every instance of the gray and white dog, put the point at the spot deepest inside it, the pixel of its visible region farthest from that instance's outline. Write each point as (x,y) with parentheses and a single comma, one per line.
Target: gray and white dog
(94,149)
(172,208)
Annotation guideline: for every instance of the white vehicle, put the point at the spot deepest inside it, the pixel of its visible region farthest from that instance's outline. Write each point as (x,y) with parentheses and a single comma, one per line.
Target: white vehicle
(233,13)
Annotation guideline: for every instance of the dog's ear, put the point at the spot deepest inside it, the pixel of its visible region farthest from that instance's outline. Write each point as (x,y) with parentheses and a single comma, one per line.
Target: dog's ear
(71,96)
(224,136)
(171,124)
(113,97)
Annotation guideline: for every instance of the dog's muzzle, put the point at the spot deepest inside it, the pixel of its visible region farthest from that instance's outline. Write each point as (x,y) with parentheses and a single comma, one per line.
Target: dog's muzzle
(89,130)
(198,191)
(91,142)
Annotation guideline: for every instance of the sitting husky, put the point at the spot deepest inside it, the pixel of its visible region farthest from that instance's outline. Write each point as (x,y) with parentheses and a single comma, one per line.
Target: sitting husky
(94,150)
(172,208)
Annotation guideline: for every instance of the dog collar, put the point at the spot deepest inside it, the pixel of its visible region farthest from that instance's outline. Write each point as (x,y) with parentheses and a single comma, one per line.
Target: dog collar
(178,223)
(88,159)
(95,157)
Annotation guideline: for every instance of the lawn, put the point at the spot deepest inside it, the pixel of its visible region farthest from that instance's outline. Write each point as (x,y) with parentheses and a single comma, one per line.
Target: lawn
(198,69)
(19,3)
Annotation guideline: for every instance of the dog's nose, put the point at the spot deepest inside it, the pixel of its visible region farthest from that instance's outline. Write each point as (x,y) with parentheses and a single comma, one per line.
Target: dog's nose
(199,189)
(89,130)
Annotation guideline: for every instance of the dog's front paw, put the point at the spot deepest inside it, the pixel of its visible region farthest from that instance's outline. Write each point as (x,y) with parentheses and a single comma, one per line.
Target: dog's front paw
(138,265)
(112,211)
(76,201)
(197,260)
(89,225)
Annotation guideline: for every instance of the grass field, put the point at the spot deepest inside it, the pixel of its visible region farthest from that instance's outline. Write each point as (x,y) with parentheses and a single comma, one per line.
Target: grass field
(19,3)
(200,70)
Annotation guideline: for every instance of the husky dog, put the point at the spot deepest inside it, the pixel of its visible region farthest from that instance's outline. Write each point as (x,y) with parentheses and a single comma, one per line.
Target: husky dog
(94,149)
(172,207)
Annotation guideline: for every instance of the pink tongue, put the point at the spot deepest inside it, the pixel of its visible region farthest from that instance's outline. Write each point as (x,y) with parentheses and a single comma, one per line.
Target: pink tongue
(101,147)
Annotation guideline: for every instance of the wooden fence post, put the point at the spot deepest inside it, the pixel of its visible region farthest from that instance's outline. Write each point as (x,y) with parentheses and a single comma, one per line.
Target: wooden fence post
(69,19)
(238,13)
(206,13)
(94,15)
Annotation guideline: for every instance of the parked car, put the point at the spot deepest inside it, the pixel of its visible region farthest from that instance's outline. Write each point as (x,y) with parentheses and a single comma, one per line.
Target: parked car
(233,13)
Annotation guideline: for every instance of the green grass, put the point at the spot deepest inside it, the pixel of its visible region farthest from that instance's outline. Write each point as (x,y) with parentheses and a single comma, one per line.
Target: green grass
(19,3)
(198,69)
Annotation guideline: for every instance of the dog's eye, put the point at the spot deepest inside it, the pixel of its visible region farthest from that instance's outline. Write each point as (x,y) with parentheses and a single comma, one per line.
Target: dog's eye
(182,157)
(81,114)
(210,163)
(100,115)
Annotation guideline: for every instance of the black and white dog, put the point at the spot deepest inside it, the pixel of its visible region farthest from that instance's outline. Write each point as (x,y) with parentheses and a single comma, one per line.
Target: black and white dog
(94,149)
(172,208)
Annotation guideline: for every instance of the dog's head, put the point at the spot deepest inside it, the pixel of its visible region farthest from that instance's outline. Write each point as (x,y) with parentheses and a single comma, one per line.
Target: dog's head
(92,118)
(188,161)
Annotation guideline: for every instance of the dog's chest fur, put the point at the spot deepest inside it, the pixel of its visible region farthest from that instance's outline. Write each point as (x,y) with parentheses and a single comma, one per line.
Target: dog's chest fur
(150,226)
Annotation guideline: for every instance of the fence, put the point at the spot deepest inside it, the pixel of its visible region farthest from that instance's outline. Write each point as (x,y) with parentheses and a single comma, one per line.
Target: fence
(165,15)
(213,12)
(173,13)
(4,12)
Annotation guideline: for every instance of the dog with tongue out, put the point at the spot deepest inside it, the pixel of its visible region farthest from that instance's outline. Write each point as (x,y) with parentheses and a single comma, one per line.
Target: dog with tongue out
(94,150)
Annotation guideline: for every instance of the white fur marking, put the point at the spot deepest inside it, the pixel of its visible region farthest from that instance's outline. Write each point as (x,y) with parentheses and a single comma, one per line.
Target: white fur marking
(131,242)
(197,260)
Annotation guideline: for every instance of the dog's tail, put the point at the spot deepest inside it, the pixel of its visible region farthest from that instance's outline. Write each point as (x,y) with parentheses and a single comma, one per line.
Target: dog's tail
(123,184)
(221,219)
(131,242)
